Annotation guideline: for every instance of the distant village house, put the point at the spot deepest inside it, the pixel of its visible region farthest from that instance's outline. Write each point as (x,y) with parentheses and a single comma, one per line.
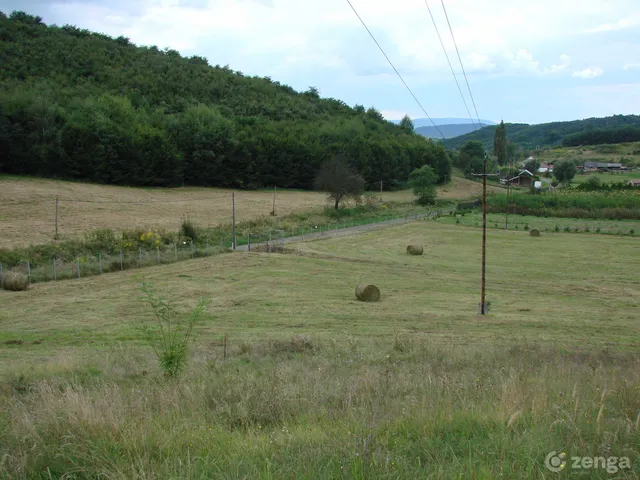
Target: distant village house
(545,168)
(601,167)
(523,179)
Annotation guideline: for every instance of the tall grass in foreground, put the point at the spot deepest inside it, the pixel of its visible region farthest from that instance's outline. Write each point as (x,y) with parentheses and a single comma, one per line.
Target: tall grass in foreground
(402,408)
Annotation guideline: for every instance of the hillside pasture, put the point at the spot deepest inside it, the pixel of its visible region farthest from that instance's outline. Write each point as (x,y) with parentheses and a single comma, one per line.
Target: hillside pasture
(28,206)
(315,384)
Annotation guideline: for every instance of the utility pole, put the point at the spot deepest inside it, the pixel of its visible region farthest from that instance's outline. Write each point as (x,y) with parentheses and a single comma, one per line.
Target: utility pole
(56,236)
(482,307)
(273,212)
(233,206)
(506,217)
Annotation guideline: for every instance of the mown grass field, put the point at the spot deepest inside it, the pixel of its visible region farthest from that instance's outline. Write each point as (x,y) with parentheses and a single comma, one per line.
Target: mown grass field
(318,385)
(27,207)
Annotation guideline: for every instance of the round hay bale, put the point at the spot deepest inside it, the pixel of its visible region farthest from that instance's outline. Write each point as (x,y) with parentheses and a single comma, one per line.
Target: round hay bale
(414,250)
(367,293)
(14,281)
(534,232)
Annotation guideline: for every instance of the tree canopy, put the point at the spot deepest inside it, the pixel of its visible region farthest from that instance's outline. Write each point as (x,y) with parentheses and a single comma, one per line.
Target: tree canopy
(423,182)
(339,181)
(500,144)
(564,171)
(78,104)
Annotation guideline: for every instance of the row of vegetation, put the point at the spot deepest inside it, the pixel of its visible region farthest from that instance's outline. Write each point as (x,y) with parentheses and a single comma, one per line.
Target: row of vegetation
(530,137)
(599,136)
(570,203)
(545,224)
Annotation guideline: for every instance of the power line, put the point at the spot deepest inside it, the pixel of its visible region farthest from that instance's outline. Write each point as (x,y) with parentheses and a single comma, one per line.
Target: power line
(394,68)
(460,59)
(449,62)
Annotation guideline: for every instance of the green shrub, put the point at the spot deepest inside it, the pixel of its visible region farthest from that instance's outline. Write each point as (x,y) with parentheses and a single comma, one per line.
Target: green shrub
(102,240)
(567,229)
(188,229)
(556,229)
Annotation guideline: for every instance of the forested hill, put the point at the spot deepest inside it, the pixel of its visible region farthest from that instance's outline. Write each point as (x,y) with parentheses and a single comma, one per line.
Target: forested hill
(546,134)
(78,104)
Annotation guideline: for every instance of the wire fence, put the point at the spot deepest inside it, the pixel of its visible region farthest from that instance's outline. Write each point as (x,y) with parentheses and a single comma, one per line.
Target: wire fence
(40,270)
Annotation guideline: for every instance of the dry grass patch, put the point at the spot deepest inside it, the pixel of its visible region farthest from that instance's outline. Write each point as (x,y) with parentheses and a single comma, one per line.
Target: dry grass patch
(29,216)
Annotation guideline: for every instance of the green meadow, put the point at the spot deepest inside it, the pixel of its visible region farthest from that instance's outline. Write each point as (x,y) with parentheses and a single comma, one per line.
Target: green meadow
(289,376)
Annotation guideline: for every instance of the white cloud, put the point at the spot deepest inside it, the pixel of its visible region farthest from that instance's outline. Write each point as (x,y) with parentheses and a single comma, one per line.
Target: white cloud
(225,30)
(632,66)
(589,72)
(622,24)
(395,114)
(565,60)
(479,62)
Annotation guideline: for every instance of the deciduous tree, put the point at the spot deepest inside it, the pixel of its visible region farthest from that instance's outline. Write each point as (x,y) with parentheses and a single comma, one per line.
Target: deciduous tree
(339,181)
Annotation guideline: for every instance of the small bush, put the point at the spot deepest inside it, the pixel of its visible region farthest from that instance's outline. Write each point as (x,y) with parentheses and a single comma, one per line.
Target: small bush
(598,230)
(632,231)
(102,240)
(556,229)
(14,282)
(567,229)
(188,229)
(526,227)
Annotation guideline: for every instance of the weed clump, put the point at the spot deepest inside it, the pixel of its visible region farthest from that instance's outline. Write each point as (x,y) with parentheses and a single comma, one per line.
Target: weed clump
(168,334)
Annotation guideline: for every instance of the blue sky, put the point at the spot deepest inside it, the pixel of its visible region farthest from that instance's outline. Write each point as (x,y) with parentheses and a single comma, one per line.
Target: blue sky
(527,61)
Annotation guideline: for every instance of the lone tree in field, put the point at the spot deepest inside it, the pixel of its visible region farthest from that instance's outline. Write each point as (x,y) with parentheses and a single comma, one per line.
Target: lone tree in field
(423,181)
(500,143)
(339,181)
(564,172)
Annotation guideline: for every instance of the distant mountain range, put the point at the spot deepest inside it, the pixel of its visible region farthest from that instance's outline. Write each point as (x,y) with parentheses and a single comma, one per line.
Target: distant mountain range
(425,122)
(543,134)
(448,130)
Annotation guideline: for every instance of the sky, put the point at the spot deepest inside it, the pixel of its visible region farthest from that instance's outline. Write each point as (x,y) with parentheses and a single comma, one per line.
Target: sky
(529,61)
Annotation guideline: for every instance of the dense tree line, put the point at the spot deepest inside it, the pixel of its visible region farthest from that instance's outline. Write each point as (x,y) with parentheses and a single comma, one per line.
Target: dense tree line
(77,104)
(545,134)
(599,136)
